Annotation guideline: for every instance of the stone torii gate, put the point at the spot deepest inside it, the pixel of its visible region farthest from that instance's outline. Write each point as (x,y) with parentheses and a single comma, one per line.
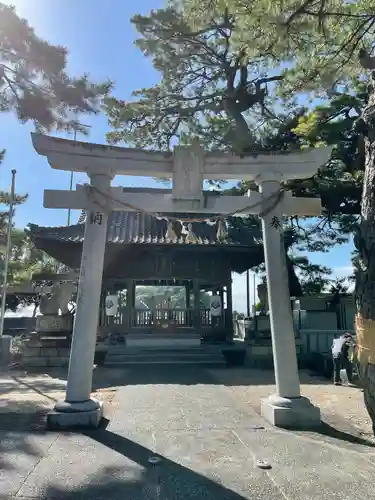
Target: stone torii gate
(188,167)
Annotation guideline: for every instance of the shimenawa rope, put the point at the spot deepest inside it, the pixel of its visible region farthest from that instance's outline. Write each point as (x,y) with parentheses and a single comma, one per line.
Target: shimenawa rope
(274,199)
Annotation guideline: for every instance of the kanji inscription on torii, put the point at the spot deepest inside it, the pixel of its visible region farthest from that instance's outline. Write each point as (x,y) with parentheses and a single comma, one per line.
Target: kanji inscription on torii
(96,218)
(188,166)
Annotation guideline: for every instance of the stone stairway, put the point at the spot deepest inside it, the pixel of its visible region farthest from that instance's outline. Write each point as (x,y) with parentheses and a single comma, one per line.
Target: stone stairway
(194,355)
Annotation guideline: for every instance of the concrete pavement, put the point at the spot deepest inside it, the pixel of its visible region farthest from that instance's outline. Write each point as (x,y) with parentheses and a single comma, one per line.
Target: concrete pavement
(208,444)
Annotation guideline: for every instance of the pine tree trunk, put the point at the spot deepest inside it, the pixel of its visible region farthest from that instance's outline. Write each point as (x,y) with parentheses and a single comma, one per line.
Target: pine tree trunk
(365,282)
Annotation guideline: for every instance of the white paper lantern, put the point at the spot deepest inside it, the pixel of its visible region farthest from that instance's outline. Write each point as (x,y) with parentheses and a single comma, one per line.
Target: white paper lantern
(111,305)
(215,305)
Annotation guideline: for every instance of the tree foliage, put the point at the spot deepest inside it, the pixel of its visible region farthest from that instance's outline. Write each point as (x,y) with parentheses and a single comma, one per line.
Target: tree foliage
(316,41)
(330,43)
(335,121)
(320,48)
(35,85)
(25,260)
(151,297)
(222,91)
(206,87)
(33,79)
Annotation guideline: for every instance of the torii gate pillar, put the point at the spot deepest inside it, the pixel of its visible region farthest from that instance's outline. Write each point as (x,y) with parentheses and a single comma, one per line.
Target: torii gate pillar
(286,408)
(78,409)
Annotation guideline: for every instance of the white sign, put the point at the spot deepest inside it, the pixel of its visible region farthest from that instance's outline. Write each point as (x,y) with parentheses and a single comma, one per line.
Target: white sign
(215,305)
(111,305)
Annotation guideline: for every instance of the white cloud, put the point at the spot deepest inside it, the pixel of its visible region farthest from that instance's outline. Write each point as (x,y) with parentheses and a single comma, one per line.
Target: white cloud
(342,271)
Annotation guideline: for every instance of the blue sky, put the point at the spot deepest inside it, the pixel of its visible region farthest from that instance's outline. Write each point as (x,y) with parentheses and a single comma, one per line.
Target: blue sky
(80,26)
(100,39)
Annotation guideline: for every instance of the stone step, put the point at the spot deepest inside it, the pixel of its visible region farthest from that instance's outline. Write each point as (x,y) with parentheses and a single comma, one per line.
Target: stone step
(162,357)
(128,362)
(165,350)
(165,356)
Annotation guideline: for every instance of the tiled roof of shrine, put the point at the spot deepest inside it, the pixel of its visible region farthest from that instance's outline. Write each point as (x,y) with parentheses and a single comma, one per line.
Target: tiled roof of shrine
(138,228)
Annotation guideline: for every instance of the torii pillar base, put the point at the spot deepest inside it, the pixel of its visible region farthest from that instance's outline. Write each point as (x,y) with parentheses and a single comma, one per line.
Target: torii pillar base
(293,413)
(86,415)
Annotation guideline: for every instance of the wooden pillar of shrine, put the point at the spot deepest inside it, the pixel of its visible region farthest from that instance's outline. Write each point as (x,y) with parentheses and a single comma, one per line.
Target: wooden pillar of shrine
(197,313)
(130,303)
(188,288)
(189,314)
(223,313)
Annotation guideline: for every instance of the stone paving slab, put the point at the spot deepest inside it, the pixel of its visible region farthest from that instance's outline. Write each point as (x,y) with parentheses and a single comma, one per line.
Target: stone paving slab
(306,469)
(209,446)
(20,453)
(84,468)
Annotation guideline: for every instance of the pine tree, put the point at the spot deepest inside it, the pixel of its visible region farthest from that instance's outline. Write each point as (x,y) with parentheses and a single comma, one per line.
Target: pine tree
(327,44)
(221,92)
(24,259)
(33,79)
(206,87)
(213,56)
(35,86)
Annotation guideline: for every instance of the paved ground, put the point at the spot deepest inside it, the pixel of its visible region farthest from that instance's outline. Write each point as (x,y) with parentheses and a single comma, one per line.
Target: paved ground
(342,407)
(209,440)
(25,398)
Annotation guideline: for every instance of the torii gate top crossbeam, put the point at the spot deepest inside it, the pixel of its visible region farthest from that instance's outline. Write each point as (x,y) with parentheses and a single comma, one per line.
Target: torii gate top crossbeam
(65,154)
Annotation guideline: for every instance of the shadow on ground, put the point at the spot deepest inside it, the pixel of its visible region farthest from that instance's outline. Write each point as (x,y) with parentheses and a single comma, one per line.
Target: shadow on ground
(47,380)
(144,481)
(106,486)
(349,437)
(167,479)
(180,485)
(17,447)
(104,377)
(337,431)
(28,416)
(11,382)
(193,375)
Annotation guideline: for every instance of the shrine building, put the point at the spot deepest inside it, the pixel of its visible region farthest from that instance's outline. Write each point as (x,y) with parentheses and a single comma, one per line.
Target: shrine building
(184,263)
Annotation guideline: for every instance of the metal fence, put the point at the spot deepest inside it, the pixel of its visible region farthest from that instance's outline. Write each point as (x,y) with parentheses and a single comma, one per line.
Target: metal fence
(319,341)
(312,341)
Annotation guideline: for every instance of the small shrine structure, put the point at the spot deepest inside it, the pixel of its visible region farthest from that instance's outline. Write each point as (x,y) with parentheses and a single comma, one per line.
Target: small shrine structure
(145,251)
